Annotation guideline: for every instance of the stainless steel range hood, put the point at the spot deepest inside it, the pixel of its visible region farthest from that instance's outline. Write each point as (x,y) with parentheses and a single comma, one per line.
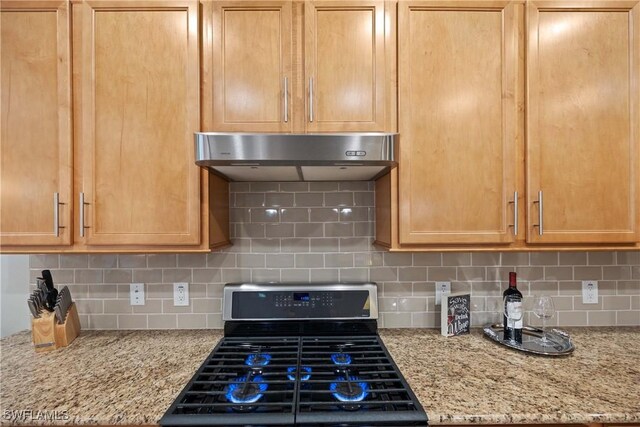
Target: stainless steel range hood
(296,157)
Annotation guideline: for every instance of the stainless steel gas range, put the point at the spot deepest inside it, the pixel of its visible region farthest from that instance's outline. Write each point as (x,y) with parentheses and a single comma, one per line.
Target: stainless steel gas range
(298,355)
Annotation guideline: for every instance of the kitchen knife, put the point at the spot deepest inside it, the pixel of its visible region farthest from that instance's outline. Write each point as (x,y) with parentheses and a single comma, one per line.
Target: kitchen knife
(41,284)
(37,297)
(69,301)
(32,307)
(52,292)
(48,279)
(64,304)
(43,293)
(58,312)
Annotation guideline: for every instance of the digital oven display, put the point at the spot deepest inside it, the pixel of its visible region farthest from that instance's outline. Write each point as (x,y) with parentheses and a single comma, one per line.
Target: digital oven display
(301,296)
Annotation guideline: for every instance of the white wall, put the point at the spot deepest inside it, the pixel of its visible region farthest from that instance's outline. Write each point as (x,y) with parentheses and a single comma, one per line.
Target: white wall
(14,291)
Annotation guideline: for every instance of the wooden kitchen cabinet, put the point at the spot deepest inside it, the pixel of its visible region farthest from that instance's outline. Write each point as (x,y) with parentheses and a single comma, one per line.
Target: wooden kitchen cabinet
(449,194)
(140,90)
(345,66)
(583,130)
(35,175)
(252,62)
(136,90)
(459,81)
(281,66)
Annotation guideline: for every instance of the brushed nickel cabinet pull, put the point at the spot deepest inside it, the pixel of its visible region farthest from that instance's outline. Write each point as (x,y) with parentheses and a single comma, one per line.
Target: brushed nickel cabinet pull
(515,213)
(82,204)
(311,99)
(540,224)
(286,99)
(56,214)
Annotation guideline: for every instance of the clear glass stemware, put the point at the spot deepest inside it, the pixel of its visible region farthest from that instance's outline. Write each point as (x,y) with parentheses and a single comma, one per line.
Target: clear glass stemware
(544,309)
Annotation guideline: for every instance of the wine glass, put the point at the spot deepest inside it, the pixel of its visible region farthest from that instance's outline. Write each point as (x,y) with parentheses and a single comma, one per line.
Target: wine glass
(544,309)
(512,308)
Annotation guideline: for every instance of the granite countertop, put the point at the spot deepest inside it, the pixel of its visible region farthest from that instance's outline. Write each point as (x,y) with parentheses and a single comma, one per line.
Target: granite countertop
(131,377)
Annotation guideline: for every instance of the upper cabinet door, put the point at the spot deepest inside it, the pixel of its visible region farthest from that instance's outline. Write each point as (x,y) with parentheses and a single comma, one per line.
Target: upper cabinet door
(35,174)
(251,66)
(583,125)
(140,108)
(458,74)
(345,66)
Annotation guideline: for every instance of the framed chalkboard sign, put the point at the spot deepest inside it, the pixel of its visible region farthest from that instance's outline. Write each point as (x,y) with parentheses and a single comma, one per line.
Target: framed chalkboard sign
(455,317)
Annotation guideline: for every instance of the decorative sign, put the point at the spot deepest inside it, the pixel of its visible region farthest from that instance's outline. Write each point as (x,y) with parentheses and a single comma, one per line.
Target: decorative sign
(455,317)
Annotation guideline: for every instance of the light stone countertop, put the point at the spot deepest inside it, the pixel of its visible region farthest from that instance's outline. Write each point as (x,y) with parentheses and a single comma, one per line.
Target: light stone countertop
(131,377)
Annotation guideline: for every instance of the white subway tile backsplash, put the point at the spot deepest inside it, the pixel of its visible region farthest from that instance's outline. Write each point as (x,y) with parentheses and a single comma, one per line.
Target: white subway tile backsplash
(323,231)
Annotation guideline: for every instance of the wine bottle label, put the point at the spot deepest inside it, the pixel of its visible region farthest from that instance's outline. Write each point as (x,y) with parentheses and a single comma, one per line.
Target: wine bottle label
(515,314)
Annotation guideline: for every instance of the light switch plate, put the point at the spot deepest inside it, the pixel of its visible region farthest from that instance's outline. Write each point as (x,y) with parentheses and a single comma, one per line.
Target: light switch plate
(442,288)
(136,293)
(589,292)
(180,294)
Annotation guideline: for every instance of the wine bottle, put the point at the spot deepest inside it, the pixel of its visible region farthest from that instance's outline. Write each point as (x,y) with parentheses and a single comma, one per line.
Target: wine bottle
(513,303)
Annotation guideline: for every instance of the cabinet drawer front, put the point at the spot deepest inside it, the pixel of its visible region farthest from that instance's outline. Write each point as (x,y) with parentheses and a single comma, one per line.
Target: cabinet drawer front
(583,125)
(36,124)
(457,72)
(140,85)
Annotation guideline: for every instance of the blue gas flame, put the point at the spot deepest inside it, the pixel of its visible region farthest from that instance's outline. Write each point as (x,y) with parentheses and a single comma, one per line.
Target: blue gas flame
(305,373)
(258,359)
(234,391)
(341,358)
(363,386)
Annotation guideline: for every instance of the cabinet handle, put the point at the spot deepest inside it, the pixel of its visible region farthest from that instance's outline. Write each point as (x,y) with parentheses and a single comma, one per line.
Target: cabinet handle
(540,211)
(286,99)
(311,99)
(82,204)
(515,213)
(56,214)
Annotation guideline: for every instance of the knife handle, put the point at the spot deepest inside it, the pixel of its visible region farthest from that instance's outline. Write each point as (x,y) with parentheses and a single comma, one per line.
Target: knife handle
(33,309)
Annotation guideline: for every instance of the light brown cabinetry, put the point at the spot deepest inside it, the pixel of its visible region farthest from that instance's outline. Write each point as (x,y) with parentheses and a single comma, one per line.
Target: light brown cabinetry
(583,157)
(35,175)
(458,81)
(252,65)
(140,90)
(136,106)
(345,66)
(462,118)
(281,66)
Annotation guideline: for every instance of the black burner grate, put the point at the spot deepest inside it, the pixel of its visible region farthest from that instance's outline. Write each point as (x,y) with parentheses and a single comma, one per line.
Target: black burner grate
(242,379)
(293,380)
(352,376)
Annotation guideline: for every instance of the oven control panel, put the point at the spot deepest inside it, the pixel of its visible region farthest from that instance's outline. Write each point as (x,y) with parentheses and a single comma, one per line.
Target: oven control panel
(251,302)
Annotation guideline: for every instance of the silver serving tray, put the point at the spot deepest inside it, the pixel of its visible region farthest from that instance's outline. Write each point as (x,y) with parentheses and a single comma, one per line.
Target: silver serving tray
(561,342)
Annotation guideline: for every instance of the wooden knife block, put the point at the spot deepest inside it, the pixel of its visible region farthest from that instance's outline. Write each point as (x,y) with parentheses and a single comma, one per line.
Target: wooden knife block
(49,335)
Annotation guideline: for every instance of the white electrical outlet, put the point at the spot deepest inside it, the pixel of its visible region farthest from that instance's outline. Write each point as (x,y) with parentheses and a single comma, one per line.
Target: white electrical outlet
(181,293)
(442,288)
(136,293)
(589,292)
